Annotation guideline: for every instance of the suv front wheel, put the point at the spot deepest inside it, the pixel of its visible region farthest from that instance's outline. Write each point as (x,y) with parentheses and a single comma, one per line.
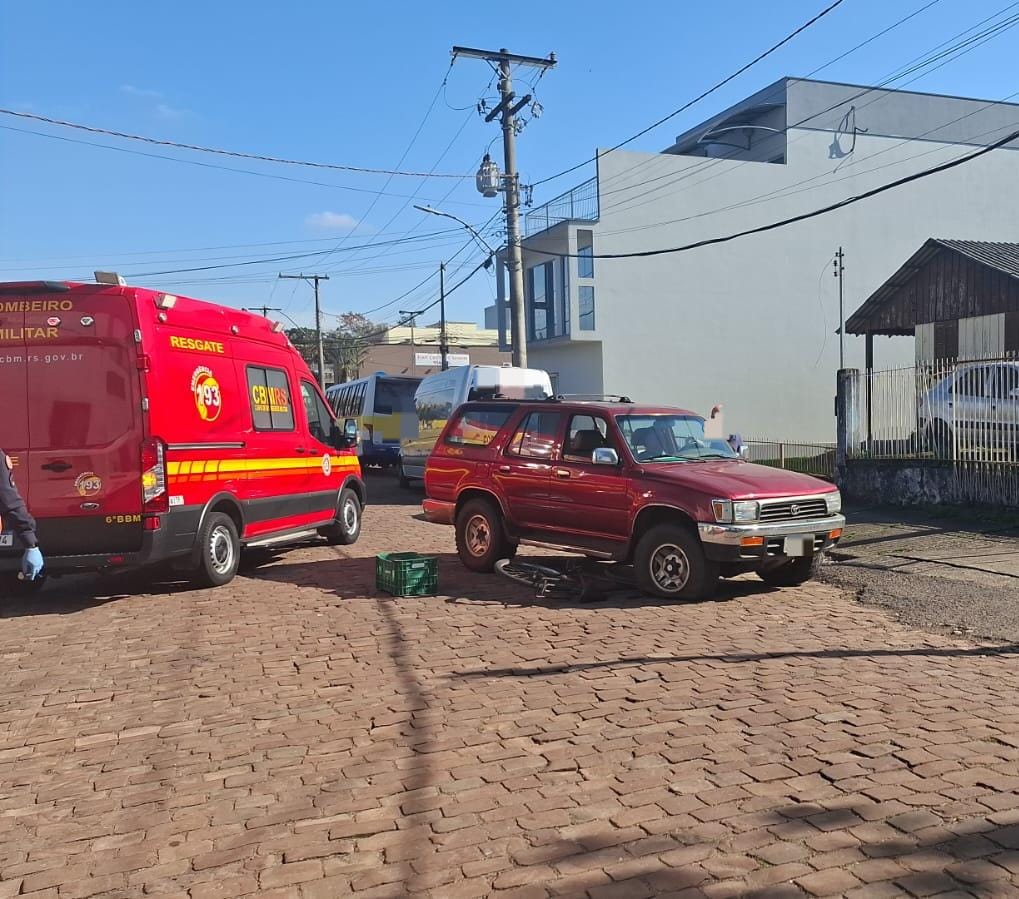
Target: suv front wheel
(481,539)
(669,562)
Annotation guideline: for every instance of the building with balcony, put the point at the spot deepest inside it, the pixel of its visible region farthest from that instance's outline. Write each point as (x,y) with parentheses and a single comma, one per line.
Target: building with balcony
(752,323)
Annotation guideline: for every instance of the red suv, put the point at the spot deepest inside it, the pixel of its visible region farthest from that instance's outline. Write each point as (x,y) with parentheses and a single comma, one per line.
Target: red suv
(625,483)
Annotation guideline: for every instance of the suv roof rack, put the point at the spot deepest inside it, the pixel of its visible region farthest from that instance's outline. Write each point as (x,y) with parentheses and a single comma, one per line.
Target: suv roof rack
(596,397)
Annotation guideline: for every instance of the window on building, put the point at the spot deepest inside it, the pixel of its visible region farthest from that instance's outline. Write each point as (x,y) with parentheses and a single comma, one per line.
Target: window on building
(586,297)
(563,299)
(541,296)
(269,395)
(585,254)
(536,437)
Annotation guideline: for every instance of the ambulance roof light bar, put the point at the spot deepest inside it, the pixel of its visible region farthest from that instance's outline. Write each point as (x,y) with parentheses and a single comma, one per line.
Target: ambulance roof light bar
(277,327)
(166,301)
(110,278)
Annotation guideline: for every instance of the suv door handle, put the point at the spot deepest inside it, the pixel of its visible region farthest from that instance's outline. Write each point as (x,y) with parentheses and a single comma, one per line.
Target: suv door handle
(58,466)
(505,468)
(562,473)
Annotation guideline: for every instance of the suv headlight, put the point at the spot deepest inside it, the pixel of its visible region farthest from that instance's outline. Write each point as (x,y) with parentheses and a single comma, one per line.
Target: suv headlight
(834,501)
(728,511)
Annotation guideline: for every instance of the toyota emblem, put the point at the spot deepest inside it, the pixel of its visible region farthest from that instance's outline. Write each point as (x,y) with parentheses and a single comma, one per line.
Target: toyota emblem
(794,509)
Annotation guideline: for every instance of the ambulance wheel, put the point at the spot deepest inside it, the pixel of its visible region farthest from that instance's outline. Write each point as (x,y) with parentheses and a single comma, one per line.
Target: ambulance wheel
(219,551)
(348,520)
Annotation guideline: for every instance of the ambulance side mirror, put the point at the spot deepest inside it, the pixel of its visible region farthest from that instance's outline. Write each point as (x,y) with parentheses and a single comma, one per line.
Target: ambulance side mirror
(345,438)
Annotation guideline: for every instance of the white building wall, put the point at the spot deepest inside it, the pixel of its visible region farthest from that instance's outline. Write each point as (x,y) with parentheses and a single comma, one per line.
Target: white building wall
(751,323)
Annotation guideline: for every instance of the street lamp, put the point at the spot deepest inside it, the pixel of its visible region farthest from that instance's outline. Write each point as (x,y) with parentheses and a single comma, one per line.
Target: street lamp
(443,343)
(448,215)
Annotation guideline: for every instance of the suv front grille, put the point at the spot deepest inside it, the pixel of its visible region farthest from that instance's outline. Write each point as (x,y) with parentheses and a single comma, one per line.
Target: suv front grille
(790,510)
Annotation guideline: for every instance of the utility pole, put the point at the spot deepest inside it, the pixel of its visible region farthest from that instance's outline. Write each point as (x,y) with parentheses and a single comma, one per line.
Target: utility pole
(313,280)
(413,320)
(264,310)
(443,347)
(507,110)
(840,271)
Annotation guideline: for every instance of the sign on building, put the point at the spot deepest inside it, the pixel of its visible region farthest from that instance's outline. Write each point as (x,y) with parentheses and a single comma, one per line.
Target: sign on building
(434,360)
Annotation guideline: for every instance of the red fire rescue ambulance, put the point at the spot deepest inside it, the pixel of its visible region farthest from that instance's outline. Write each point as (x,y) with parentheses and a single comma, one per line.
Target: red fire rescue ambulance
(146,427)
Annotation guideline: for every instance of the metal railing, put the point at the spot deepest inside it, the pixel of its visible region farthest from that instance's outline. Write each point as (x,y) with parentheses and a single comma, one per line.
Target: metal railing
(817,459)
(580,203)
(948,410)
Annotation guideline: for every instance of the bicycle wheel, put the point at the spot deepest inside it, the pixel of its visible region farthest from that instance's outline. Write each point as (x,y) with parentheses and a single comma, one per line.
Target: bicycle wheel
(528,573)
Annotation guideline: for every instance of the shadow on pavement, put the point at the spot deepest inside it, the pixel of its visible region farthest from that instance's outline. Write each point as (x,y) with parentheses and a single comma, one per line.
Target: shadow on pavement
(742,658)
(354,577)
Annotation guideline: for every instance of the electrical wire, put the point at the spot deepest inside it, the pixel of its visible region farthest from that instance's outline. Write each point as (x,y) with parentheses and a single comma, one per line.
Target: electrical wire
(236,154)
(703,94)
(209,165)
(772,226)
(917,63)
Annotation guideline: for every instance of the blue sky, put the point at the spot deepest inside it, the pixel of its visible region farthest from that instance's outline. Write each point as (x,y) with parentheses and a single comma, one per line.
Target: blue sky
(351,83)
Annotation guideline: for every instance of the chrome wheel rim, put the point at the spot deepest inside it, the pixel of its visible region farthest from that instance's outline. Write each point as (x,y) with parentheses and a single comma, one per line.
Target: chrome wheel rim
(478,535)
(670,568)
(350,516)
(221,550)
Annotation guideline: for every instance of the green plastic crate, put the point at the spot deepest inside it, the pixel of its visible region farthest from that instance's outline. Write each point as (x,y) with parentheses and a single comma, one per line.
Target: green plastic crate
(407,574)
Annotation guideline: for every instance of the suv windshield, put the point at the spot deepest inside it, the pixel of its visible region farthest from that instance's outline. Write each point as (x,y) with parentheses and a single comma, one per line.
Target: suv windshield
(670,438)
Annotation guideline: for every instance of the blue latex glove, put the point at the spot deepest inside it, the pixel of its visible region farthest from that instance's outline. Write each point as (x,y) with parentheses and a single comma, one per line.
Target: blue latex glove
(31,563)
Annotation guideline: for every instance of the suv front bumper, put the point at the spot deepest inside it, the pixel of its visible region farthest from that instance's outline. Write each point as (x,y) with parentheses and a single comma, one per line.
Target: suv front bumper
(766,540)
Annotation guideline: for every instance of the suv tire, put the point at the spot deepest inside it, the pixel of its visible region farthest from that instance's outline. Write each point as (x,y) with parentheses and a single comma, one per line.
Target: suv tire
(669,562)
(481,539)
(792,573)
(219,550)
(348,520)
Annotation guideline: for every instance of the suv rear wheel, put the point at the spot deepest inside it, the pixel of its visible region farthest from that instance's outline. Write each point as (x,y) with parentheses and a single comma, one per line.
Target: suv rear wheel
(481,539)
(670,562)
(219,550)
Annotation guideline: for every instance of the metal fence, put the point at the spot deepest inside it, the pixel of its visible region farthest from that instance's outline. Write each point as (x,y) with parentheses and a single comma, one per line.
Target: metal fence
(816,459)
(580,203)
(949,410)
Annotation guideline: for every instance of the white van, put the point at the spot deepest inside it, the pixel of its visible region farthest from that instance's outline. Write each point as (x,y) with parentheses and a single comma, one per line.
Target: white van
(439,395)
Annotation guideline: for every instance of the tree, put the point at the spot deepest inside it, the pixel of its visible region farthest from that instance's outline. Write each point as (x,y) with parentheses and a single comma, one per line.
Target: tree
(345,348)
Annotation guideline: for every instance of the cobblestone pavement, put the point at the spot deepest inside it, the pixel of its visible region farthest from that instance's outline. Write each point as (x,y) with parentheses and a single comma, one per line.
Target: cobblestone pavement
(297,734)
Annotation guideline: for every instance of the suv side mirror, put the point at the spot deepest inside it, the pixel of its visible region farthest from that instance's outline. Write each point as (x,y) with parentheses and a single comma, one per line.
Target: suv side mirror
(605,455)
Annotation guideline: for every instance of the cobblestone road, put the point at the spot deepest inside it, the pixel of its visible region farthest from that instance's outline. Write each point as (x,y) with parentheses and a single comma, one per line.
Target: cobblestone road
(297,735)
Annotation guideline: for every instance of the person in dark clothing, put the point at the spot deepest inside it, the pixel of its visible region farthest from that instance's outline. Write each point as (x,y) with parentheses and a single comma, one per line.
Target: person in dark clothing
(14,517)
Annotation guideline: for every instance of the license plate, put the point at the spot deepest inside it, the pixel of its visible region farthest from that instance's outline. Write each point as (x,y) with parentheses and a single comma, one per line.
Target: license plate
(6,540)
(799,545)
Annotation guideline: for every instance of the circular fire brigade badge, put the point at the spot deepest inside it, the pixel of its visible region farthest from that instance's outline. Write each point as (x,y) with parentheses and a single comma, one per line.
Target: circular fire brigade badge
(205,389)
(327,465)
(88,483)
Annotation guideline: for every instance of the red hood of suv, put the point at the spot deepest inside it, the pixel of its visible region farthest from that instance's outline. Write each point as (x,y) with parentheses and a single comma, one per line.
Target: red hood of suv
(732,479)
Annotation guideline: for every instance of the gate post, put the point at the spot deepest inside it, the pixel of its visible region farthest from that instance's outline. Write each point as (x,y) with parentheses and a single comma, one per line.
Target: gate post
(846,415)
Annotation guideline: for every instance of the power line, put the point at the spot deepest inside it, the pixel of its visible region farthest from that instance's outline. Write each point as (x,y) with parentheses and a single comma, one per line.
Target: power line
(848,201)
(236,154)
(414,244)
(703,94)
(965,46)
(288,258)
(810,74)
(208,165)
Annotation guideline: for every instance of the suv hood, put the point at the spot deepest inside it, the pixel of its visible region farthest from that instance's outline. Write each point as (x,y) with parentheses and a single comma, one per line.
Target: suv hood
(733,479)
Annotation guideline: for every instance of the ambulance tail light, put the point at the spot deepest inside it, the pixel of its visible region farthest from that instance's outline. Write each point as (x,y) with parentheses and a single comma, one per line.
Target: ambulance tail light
(155,499)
